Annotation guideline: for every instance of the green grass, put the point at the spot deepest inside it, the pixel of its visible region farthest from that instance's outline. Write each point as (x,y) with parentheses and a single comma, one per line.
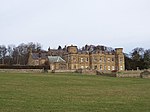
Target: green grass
(72,93)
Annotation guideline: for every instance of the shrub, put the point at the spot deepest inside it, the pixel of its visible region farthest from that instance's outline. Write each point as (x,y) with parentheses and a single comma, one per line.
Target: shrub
(145,74)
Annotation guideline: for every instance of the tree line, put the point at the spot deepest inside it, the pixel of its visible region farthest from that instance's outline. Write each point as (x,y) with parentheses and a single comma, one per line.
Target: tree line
(138,58)
(17,55)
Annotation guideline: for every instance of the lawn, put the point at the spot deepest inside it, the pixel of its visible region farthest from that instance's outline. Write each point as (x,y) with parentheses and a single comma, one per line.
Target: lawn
(24,92)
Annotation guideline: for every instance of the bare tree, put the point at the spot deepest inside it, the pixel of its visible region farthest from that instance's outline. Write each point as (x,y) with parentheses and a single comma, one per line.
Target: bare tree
(10,53)
(3,51)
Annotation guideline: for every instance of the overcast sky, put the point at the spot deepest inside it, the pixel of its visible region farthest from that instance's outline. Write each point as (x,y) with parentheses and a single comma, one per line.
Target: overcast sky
(114,23)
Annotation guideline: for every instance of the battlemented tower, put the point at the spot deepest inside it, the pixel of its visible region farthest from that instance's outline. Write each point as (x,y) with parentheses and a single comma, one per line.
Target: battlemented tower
(72,49)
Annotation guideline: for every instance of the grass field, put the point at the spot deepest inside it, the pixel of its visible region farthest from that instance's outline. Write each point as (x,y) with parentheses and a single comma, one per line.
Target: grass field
(72,93)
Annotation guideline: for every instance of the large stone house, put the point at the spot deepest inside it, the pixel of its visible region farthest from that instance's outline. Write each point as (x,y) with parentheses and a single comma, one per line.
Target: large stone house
(90,57)
(37,58)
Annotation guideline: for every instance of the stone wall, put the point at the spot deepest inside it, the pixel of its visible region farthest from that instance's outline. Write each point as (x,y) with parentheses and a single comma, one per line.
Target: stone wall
(22,70)
(129,73)
(90,72)
(106,74)
(61,71)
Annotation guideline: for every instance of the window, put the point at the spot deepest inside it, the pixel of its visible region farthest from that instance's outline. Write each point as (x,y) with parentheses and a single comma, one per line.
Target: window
(86,67)
(108,59)
(113,59)
(101,67)
(121,67)
(108,67)
(113,68)
(87,59)
(104,59)
(94,59)
(104,67)
(81,59)
(100,59)
(82,67)
(121,59)
(95,67)
(74,59)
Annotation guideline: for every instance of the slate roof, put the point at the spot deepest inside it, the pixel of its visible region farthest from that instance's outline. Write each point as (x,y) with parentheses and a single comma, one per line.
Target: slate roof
(56,52)
(39,55)
(53,59)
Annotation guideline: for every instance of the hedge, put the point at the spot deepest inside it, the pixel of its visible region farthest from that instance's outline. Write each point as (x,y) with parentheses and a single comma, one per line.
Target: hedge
(24,67)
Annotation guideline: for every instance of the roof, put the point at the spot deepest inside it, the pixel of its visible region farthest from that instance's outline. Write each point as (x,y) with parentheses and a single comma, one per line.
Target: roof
(53,59)
(39,55)
(56,52)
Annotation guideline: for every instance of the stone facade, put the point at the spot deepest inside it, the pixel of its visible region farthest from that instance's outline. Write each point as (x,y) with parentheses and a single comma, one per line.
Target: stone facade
(37,58)
(57,63)
(97,58)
